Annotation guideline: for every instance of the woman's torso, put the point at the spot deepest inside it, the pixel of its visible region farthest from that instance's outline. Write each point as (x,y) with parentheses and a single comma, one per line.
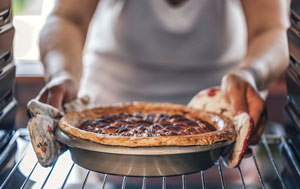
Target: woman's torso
(149,50)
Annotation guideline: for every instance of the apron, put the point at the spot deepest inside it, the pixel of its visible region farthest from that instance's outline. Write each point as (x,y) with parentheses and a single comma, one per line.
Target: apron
(151,51)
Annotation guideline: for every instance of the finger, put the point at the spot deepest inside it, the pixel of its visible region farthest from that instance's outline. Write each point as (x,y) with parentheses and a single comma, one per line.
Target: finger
(248,153)
(225,88)
(256,136)
(255,104)
(259,129)
(43,95)
(55,97)
(68,96)
(238,100)
(235,93)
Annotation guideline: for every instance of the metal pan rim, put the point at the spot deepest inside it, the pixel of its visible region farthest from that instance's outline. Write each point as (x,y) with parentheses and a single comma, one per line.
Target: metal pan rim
(75,142)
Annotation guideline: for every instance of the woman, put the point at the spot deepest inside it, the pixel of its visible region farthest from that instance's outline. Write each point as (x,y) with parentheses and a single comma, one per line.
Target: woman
(164,50)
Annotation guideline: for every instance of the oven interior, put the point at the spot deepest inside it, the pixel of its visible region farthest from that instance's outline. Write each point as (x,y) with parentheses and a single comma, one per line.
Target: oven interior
(274,162)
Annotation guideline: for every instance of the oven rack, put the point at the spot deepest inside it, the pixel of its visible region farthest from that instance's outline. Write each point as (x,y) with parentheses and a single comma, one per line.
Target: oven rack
(266,140)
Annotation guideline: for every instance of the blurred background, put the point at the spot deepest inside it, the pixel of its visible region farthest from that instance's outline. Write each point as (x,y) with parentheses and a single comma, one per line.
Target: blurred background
(29,18)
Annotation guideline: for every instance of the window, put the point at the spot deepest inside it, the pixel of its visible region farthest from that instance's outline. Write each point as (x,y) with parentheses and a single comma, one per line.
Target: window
(29,18)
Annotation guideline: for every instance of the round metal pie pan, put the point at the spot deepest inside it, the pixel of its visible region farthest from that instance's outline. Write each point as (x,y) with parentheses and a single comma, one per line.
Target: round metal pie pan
(141,161)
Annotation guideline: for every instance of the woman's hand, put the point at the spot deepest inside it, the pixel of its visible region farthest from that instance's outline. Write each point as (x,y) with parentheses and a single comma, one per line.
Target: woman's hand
(58,91)
(244,98)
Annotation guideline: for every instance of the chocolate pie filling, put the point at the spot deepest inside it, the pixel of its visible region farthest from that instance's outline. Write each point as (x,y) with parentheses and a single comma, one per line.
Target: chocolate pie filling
(147,125)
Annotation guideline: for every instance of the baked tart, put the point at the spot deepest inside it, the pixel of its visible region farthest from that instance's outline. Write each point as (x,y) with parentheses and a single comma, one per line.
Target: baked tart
(148,124)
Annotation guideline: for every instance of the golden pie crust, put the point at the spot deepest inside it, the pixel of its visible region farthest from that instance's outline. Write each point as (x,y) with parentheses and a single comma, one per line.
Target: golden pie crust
(71,122)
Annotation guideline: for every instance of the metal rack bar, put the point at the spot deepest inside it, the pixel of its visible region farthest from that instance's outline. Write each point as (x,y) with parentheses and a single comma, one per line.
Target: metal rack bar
(203,180)
(85,179)
(183,182)
(14,168)
(104,180)
(241,176)
(144,183)
(272,160)
(124,182)
(294,147)
(164,183)
(290,155)
(9,146)
(27,178)
(258,171)
(48,176)
(221,174)
(67,177)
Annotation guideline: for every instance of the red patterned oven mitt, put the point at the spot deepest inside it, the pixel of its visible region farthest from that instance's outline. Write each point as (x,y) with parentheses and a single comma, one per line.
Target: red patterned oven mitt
(44,119)
(213,100)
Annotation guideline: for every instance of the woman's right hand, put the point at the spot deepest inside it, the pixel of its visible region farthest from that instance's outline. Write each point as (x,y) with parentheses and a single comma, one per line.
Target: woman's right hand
(58,91)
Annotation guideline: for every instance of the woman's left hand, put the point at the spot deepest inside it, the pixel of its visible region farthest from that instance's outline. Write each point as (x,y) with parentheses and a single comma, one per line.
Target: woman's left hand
(244,98)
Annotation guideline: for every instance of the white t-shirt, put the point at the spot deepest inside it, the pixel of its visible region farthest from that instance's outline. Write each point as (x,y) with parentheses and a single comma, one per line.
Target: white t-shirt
(149,50)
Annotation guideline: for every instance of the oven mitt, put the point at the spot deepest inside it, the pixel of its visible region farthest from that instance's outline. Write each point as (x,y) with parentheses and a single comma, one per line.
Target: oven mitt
(44,119)
(213,100)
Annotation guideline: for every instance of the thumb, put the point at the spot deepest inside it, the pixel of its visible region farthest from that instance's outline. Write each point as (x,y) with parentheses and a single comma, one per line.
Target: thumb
(235,93)
(238,100)
(56,96)
(238,104)
(256,104)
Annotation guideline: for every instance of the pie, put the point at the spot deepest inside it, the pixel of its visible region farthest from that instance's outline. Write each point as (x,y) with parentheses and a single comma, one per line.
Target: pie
(148,124)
